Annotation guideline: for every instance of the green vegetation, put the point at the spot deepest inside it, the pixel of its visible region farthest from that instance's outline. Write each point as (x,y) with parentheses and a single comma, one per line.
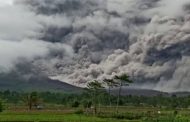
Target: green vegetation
(123,80)
(85,100)
(94,104)
(1,106)
(95,88)
(110,83)
(127,114)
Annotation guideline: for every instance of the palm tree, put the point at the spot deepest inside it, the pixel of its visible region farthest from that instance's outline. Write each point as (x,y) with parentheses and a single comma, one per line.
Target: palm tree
(123,80)
(95,87)
(110,83)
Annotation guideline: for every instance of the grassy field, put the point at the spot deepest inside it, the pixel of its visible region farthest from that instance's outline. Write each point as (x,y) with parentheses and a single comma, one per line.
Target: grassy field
(43,117)
(106,114)
(53,117)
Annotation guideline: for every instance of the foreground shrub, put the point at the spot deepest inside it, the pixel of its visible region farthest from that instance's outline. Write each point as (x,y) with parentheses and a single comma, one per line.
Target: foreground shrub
(167,118)
(79,112)
(128,116)
(87,104)
(75,104)
(1,106)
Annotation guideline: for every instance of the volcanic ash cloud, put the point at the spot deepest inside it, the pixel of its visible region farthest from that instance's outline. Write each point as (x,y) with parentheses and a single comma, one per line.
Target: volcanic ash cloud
(147,39)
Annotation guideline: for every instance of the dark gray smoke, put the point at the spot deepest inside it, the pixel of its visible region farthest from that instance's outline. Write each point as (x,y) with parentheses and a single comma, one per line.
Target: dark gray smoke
(96,39)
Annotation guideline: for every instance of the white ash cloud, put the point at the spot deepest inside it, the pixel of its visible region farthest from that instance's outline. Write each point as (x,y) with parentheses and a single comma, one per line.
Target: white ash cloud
(17,23)
(147,39)
(12,51)
(150,54)
(19,30)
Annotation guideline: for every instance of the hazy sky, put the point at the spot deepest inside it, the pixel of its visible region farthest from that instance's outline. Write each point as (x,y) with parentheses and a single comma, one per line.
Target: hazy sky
(6,2)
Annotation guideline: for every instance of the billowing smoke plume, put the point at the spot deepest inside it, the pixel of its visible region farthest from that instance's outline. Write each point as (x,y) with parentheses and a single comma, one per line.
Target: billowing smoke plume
(19,36)
(84,40)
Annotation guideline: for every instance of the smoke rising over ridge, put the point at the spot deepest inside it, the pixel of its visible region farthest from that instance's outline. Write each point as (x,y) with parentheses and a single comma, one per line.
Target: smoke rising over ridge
(77,41)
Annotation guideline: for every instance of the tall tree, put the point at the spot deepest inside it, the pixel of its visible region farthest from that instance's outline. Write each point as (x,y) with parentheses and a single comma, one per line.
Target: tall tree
(110,83)
(95,88)
(31,99)
(123,80)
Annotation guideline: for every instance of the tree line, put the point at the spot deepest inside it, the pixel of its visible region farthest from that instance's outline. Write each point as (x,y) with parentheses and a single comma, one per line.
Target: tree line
(97,93)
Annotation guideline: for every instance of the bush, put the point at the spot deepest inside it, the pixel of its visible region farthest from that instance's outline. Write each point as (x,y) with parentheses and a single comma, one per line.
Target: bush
(75,104)
(1,106)
(79,112)
(87,104)
(175,113)
(128,116)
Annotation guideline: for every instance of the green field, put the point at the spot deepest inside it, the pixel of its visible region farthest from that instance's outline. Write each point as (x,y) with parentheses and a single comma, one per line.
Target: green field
(126,114)
(50,117)
(60,107)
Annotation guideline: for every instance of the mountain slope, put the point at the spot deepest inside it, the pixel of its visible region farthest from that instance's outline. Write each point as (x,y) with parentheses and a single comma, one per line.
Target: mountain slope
(139,92)
(14,83)
(35,84)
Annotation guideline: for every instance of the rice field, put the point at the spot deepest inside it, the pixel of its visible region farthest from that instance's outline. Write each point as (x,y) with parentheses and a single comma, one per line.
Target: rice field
(126,114)
(52,117)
